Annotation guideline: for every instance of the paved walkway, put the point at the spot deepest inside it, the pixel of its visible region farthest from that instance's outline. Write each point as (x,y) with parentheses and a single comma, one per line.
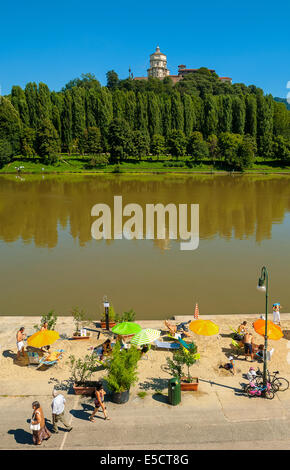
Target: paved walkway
(216,417)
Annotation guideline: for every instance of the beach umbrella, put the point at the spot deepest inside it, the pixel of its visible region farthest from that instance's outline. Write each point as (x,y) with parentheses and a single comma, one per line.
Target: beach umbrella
(126,328)
(42,338)
(204,327)
(273,331)
(145,337)
(196,312)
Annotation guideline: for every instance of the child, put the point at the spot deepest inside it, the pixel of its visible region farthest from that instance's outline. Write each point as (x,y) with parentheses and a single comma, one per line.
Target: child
(229,365)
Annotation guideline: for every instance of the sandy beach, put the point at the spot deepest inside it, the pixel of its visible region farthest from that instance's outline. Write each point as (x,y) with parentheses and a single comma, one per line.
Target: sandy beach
(18,379)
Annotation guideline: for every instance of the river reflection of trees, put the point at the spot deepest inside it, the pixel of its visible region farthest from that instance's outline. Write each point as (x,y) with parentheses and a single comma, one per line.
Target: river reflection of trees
(34,208)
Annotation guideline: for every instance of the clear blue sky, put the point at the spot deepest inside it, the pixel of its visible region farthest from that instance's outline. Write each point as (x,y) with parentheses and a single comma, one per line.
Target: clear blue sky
(56,41)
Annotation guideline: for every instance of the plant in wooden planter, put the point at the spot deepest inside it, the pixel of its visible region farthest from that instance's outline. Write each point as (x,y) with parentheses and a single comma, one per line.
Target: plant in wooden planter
(122,368)
(184,358)
(112,318)
(126,316)
(79,320)
(81,371)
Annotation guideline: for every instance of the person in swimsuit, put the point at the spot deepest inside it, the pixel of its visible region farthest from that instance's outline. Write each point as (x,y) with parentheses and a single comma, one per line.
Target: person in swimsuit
(99,395)
(248,340)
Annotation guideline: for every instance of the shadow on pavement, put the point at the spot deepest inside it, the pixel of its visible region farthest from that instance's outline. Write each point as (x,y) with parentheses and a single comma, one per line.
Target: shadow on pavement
(160,398)
(84,413)
(21,436)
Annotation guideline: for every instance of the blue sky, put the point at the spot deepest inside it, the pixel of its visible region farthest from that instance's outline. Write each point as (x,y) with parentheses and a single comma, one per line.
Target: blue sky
(56,41)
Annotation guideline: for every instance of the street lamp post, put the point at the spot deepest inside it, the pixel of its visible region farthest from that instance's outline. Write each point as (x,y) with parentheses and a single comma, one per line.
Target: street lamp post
(263,286)
(106,307)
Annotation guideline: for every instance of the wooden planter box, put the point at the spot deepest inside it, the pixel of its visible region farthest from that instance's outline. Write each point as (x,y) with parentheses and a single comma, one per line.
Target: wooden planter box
(111,324)
(80,337)
(86,389)
(189,386)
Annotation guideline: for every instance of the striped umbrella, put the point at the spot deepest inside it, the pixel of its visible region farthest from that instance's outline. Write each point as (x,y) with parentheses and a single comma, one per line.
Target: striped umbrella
(126,328)
(145,337)
(196,312)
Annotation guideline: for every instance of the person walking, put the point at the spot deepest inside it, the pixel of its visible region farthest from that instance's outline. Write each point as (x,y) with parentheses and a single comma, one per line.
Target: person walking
(37,424)
(99,396)
(20,337)
(57,406)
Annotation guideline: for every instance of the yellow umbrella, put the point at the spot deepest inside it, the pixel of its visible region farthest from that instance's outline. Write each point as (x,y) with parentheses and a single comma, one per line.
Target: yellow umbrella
(42,338)
(273,331)
(204,327)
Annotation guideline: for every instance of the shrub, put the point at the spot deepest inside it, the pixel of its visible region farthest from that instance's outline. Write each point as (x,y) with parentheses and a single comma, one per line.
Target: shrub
(182,357)
(79,317)
(82,369)
(122,368)
(50,318)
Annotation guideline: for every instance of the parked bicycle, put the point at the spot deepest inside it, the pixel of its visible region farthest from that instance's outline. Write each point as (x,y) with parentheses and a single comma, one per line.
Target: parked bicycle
(253,389)
(278,383)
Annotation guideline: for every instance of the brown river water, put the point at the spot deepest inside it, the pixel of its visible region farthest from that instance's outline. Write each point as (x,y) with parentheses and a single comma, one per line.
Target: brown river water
(49,260)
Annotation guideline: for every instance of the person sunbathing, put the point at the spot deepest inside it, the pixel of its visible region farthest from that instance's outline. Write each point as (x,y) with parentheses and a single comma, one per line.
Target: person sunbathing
(106,349)
(181,329)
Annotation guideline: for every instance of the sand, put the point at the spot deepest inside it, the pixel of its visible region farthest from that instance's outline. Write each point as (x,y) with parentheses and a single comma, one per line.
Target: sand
(16,378)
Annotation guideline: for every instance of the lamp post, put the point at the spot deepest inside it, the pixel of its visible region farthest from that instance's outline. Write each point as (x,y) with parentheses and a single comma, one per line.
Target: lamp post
(263,287)
(106,307)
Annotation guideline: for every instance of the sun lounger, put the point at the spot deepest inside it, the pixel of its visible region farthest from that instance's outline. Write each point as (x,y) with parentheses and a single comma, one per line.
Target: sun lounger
(238,348)
(33,358)
(165,345)
(51,359)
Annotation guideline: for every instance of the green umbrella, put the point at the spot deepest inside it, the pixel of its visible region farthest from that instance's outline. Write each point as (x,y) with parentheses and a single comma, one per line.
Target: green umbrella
(126,328)
(145,337)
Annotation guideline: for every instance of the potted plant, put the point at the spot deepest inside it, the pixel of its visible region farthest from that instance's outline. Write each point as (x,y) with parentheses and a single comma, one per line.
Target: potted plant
(184,357)
(112,318)
(81,371)
(126,316)
(122,372)
(79,319)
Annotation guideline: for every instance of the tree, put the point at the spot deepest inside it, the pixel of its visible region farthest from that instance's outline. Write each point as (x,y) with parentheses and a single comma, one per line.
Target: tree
(210,124)
(28,137)
(281,149)
(90,142)
(119,140)
(112,80)
(176,143)
(213,147)
(141,143)
(197,147)
(48,143)
(158,144)
(238,151)
(18,99)
(10,125)
(5,152)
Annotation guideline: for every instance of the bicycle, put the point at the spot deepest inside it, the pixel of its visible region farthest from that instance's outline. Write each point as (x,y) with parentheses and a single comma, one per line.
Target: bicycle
(253,390)
(278,383)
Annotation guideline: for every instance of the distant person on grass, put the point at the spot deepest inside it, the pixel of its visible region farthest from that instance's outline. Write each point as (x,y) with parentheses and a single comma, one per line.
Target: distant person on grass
(99,396)
(20,337)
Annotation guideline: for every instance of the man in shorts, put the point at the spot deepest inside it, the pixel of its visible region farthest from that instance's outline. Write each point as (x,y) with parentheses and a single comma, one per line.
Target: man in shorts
(248,339)
(20,336)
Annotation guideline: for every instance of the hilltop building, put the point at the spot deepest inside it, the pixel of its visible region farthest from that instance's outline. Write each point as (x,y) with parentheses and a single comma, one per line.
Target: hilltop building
(158,69)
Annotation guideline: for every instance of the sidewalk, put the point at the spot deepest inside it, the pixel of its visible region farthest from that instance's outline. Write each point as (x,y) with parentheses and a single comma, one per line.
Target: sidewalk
(214,417)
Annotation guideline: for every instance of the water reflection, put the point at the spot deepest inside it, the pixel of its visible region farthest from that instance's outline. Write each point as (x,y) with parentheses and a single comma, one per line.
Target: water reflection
(34,208)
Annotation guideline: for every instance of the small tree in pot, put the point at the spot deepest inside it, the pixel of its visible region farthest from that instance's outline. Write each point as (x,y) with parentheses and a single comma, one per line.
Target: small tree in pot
(122,372)
(79,320)
(184,357)
(81,371)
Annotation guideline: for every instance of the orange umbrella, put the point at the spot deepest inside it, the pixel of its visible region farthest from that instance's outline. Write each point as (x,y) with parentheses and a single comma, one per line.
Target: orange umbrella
(273,331)
(204,327)
(43,338)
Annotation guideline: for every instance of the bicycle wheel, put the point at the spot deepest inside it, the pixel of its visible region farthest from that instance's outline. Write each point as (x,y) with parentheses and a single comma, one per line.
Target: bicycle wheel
(281,383)
(248,389)
(270,394)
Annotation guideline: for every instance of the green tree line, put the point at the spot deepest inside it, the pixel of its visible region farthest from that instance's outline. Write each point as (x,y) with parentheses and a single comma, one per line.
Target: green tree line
(199,116)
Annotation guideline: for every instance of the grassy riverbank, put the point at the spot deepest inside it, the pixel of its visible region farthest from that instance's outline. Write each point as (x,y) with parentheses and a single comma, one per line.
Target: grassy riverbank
(165,164)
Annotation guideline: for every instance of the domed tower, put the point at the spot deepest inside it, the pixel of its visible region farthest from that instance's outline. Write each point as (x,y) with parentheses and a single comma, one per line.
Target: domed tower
(158,65)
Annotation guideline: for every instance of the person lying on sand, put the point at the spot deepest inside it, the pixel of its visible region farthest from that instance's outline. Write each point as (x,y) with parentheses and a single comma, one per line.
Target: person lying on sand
(181,329)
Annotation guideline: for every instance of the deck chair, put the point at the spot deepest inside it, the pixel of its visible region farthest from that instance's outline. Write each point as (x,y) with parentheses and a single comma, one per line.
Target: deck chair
(51,359)
(165,345)
(239,349)
(33,358)
(235,334)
